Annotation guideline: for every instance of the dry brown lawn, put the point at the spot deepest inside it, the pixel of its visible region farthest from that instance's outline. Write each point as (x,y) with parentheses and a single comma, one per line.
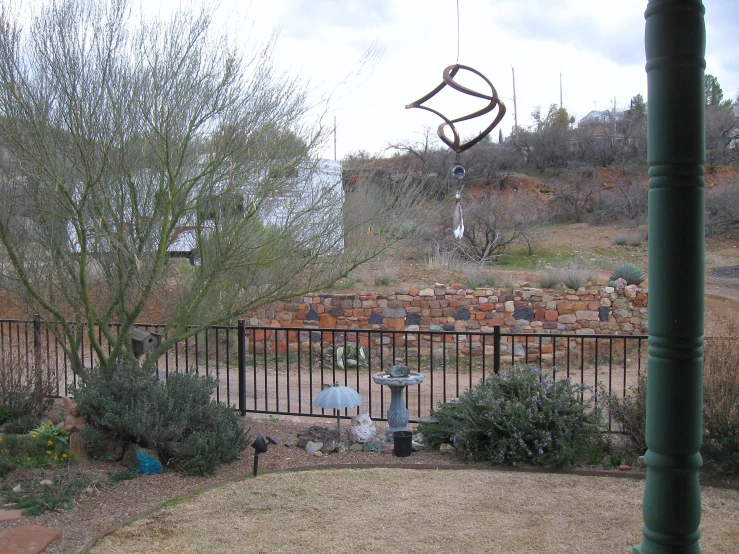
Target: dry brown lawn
(400,510)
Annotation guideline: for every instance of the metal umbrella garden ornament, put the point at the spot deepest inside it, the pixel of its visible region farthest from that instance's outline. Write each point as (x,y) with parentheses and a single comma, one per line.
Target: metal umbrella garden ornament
(337,397)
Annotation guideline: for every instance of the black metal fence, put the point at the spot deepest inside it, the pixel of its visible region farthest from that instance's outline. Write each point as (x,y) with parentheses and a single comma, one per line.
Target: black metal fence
(281,370)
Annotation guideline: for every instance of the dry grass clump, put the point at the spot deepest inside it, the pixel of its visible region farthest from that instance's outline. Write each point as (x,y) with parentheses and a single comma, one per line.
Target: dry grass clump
(721,401)
(572,276)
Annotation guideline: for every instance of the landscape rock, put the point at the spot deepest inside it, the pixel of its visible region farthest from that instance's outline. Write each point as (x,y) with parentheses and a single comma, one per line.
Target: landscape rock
(624,467)
(446,448)
(356,447)
(318,454)
(311,447)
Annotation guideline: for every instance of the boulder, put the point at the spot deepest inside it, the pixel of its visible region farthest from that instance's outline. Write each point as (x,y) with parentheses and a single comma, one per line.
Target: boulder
(312,447)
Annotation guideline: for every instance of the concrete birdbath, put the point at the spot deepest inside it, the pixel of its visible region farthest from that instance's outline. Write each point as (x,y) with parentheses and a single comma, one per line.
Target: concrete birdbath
(397,378)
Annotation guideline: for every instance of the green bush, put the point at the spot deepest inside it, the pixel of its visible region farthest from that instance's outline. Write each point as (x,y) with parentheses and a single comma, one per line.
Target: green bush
(178,419)
(629,272)
(22,425)
(31,451)
(519,416)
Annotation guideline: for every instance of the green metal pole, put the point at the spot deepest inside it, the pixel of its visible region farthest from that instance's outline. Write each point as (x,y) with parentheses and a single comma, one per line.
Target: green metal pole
(675,48)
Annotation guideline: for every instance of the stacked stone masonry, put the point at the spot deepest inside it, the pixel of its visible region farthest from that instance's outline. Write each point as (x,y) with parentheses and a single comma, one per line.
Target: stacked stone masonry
(594,310)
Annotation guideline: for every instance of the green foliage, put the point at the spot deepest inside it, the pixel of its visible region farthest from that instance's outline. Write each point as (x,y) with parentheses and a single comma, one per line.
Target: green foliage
(629,272)
(22,425)
(178,419)
(123,475)
(31,451)
(37,496)
(519,416)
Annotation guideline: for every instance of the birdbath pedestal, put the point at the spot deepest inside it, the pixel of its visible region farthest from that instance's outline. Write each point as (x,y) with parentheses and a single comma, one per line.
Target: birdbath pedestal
(397,413)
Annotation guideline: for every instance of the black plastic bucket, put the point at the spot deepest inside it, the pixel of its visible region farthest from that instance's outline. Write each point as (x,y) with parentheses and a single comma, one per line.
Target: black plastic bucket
(402,441)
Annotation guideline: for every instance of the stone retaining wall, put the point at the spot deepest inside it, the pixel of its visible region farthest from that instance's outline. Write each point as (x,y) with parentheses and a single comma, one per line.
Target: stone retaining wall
(603,310)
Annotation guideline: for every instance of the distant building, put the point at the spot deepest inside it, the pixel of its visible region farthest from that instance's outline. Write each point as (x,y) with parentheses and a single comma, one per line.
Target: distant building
(596,117)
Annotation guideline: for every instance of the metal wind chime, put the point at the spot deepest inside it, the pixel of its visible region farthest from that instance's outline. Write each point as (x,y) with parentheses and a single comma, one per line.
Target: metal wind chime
(459,171)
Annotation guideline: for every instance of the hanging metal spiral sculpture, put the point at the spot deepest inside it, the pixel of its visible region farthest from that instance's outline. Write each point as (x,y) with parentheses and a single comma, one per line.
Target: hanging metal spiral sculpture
(459,171)
(448,80)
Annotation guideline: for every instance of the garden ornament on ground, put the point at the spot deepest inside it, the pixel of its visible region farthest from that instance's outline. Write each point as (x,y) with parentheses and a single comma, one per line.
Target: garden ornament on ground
(337,397)
(74,422)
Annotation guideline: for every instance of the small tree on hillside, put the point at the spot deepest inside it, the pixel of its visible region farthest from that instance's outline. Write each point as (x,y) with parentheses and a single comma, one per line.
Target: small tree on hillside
(573,201)
(497,222)
(115,132)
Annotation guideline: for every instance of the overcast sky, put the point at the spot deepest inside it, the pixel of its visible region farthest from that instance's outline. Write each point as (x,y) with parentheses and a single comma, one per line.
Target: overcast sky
(596,45)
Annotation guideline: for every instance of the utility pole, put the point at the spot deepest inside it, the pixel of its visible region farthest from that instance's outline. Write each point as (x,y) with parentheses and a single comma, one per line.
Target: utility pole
(561,105)
(515,110)
(614,116)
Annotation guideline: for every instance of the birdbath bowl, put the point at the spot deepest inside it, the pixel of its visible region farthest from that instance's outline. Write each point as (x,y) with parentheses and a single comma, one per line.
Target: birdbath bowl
(397,413)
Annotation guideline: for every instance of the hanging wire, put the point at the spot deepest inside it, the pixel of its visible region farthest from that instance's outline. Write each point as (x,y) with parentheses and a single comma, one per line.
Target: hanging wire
(457,31)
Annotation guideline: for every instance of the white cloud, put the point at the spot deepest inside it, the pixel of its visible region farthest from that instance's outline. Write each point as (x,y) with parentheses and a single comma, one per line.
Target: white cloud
(597,45)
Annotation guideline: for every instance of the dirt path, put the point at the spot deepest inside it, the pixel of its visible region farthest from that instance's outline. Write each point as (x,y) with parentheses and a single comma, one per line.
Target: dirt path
(722,303)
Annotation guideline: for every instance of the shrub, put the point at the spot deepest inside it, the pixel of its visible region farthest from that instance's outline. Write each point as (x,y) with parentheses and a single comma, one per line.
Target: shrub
(477,276)
(384,278)
(721,404)
(20,394)
(519,416)
(629,272)
(630,415)
(178,419)
(720,448)
(22,425)
(31,451)
(631,239)
(573,277)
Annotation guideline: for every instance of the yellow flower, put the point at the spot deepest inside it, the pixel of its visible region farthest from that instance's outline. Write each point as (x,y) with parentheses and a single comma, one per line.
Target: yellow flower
(48,452)
(33,436)
(49,443)
(64,455)
(1,439)
(28,459)
(56,457)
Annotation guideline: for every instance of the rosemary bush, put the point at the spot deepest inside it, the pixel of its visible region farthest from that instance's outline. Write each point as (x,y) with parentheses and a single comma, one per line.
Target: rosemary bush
(519,416)
(126,403)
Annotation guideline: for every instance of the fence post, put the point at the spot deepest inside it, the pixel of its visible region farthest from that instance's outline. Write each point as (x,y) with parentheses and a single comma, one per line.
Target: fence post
(496,349)
(241,330)
(37,355)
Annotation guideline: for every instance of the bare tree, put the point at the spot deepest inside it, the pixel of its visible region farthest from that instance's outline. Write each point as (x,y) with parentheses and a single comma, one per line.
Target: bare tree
(498,221)
(116,132)
(573,201)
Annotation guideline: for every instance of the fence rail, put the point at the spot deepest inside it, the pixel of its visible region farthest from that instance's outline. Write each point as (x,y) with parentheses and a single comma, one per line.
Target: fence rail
(281,370)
